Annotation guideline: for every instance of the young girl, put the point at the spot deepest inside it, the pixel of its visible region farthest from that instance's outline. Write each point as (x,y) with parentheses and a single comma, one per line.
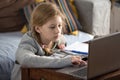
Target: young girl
(36,48)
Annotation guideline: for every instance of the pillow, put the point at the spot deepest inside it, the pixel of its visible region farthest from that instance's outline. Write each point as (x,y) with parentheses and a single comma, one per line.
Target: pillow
(73,7)
(5,3)
(12,22)
(11,15)
(72,23)
(24,29)
(28,10)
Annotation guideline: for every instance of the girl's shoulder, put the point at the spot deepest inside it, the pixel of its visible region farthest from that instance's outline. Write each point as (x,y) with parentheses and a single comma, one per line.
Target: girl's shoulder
(27,37)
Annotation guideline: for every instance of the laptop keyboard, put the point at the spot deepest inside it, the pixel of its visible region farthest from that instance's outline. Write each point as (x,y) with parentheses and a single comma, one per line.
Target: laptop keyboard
(81,72)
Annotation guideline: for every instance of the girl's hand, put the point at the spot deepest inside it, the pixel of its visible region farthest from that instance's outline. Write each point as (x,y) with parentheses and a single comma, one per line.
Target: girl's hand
(76,60)
(61,46)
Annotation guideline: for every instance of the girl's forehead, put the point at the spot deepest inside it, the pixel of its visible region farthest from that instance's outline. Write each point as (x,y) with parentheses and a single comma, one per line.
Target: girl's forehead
(55,19)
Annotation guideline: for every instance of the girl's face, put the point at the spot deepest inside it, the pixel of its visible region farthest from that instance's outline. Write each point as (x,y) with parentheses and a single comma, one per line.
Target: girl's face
(51,30)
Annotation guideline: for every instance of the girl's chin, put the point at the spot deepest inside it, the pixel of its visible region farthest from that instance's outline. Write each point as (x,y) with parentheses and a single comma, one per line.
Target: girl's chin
(56,39)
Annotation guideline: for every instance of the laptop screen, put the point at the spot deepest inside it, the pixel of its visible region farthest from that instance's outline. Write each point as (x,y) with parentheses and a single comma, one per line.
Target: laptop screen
(104,55)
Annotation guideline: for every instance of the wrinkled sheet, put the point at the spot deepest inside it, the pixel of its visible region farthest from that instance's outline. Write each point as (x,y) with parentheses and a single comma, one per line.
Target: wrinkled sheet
(8,45)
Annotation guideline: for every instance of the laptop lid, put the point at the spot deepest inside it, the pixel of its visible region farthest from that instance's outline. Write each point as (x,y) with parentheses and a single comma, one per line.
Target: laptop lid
(104,55)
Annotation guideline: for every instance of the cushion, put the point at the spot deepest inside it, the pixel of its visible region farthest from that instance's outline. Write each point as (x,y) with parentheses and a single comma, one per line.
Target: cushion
(5,3)
(72,23)
(13,22)
(94,16)
(72,4)
(11,14)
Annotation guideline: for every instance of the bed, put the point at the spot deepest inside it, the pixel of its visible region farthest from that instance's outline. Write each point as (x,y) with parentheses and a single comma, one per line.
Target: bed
(9,42)
(8,45)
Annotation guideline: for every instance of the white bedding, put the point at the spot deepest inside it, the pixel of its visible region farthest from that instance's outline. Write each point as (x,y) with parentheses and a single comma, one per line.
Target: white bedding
(81,37)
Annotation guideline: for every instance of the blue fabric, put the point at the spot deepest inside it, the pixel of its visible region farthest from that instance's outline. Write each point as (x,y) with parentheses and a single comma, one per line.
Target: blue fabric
(6,66)
(8,46)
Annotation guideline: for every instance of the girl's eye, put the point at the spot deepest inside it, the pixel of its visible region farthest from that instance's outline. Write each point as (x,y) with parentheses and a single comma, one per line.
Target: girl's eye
(60,25)
(52,27)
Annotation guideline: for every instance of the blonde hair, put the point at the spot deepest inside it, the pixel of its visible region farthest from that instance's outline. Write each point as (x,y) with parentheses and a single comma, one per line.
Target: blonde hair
(43,13)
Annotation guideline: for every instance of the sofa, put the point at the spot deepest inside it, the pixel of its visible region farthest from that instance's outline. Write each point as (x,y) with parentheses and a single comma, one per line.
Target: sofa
(115,17)
(89,17)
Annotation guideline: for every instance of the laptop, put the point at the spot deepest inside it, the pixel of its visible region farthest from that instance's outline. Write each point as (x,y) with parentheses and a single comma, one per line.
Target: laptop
(103,57)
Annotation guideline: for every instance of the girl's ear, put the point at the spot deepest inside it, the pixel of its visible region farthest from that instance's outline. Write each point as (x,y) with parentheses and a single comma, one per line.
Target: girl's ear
(37,29)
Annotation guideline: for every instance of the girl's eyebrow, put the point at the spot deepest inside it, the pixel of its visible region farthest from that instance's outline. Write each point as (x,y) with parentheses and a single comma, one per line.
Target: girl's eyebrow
(52,25)
(55,24)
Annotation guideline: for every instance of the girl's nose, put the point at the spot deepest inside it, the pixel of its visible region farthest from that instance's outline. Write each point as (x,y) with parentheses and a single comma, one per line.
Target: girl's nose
(57,30)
